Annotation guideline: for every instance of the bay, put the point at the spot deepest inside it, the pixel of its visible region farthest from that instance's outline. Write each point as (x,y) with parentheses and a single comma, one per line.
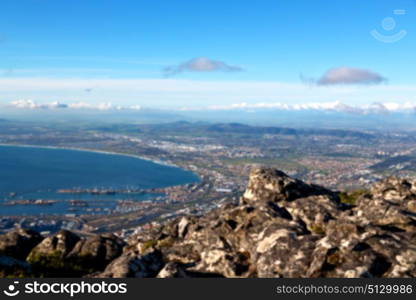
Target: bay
(38,173)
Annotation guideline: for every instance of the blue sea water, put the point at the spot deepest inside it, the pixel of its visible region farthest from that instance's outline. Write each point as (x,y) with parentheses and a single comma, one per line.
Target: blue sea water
(38,173)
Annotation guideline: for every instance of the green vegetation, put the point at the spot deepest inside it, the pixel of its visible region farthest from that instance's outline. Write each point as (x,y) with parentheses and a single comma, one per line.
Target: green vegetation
(14,272)
(317,229)
(351,197)
(147,245)
(47,265)
(53,265)
(166,243)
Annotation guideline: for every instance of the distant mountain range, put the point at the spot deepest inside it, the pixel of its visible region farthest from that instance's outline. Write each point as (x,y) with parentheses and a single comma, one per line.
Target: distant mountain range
(335,116)
(246,129)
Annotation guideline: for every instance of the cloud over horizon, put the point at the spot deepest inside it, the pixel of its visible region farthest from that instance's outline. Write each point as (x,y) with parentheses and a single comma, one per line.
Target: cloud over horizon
(337,106)
(380,108)
(180,92)
(347,75)
(201,64)
(30,104)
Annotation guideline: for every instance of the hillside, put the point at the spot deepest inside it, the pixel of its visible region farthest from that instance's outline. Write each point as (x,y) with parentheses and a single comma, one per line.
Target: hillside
(282,227)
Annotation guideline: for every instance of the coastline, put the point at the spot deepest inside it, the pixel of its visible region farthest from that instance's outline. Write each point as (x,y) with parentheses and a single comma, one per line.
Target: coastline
(50,192)
(159,162)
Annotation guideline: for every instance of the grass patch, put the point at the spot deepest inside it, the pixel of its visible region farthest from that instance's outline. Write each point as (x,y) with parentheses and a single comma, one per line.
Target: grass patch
(351,197)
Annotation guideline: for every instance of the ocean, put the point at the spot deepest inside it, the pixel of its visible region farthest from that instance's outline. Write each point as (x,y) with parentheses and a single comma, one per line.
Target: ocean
(35,173)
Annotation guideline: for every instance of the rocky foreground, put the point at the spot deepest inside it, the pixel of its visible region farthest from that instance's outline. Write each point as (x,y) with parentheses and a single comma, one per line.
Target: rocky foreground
(282,227)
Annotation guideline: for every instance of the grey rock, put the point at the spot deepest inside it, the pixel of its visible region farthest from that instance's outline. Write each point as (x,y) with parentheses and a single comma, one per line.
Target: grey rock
(60,244)
(19,242)
(134,265)
(96,251)
(286,228)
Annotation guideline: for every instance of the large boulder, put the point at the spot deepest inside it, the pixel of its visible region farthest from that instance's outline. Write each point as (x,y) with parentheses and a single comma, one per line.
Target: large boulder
(59,244)
(94,253)
(48,257)
(273,185)
(19,242)
(134,265)
(65,254)
(284,227)
(391,205)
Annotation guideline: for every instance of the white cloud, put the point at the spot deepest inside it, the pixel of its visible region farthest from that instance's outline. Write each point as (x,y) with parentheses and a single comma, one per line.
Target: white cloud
(24,104)
(99,106)
(33,105)
(373,108)
(30,104)
(338,106)
(347,75)
(176,93)
(201,64)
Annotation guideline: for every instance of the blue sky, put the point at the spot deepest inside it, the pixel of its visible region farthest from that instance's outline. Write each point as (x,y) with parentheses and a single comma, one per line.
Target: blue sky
(252,52)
